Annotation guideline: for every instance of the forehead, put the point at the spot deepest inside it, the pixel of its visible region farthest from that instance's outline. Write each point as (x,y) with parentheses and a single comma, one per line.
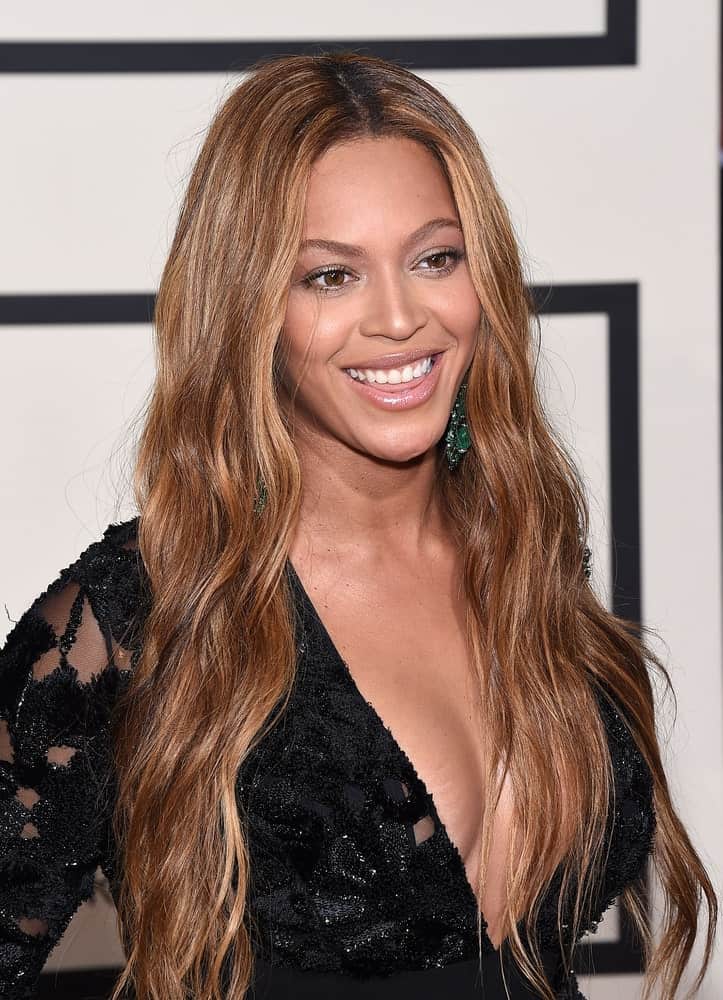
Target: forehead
(357,188)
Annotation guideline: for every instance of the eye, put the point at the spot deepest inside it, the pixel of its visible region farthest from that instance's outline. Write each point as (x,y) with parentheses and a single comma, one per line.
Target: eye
(323,272)
(451,255)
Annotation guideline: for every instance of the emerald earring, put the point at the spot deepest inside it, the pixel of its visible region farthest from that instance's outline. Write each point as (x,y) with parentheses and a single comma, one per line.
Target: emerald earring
(587,562)
(457,439)
(261,496)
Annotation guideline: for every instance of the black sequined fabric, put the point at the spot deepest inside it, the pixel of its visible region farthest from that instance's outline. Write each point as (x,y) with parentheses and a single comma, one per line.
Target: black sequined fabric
(341,891)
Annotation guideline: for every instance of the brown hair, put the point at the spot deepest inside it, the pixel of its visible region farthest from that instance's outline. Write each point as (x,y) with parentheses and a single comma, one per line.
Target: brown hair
(541,639)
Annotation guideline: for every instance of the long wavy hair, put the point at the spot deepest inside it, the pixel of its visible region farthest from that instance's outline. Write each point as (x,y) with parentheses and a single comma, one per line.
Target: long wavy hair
(218,653)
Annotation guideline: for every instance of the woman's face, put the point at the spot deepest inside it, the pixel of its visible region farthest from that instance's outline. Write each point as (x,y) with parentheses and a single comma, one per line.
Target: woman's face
(382,317)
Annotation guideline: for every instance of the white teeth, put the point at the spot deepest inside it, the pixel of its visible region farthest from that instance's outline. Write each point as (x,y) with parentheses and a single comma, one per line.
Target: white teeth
(392,375)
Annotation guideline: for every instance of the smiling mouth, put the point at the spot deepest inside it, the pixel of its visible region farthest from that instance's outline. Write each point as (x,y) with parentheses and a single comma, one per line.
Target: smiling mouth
(394,376)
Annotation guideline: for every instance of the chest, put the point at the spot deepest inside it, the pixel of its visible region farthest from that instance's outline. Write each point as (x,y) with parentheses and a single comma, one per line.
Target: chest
(405,648)
(318,790)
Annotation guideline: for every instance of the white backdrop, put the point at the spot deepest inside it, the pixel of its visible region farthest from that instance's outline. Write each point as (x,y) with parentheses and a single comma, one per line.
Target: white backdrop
(611,174)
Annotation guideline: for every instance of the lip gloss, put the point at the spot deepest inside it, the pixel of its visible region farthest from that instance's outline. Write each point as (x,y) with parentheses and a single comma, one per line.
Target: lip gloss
(403,395)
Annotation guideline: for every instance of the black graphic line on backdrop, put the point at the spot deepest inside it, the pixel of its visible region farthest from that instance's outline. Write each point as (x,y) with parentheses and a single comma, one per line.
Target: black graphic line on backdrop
(616,47)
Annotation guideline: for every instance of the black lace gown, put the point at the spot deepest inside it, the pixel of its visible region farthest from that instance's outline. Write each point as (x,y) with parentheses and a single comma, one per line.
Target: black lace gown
(344,901)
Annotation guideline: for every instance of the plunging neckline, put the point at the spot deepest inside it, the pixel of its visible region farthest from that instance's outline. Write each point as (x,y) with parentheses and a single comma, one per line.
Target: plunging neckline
(440,827)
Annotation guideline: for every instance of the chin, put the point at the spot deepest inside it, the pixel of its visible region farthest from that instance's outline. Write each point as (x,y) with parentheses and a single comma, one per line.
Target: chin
(403,453)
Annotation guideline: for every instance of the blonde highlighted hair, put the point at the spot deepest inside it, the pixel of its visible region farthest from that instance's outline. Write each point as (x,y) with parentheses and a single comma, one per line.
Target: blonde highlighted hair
(218,648)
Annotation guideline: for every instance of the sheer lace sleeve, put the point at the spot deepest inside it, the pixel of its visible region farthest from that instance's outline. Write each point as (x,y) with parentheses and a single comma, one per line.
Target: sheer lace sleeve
(61,670)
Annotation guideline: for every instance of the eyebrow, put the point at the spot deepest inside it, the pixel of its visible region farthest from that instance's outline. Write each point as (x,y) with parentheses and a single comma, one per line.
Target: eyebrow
(350,250)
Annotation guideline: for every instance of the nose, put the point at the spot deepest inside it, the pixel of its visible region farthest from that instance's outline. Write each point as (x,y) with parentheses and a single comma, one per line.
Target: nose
(392,309)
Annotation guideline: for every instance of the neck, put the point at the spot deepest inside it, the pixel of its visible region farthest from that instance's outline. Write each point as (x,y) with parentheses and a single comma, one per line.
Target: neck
(354,501)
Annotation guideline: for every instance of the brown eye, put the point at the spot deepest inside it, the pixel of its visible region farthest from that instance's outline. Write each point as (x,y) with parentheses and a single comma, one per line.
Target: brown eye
(442,261)
(318,279)
(336,275)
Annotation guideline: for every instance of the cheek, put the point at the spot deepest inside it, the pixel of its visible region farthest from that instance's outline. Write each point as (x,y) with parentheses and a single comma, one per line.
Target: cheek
(298,339)
(310,337)
(457,302)
(297,330)
(463,317)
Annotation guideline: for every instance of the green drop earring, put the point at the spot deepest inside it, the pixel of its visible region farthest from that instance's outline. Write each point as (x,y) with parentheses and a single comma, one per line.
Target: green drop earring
(261,496)
(457,439)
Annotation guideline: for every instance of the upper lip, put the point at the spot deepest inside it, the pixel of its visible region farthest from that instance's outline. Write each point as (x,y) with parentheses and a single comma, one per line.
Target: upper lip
(397,360)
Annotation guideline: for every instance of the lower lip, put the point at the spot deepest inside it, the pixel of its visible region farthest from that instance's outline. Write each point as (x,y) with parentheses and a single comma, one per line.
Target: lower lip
(402,396)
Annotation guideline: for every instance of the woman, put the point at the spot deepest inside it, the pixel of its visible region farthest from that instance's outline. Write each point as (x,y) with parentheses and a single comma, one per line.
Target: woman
(339,713)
